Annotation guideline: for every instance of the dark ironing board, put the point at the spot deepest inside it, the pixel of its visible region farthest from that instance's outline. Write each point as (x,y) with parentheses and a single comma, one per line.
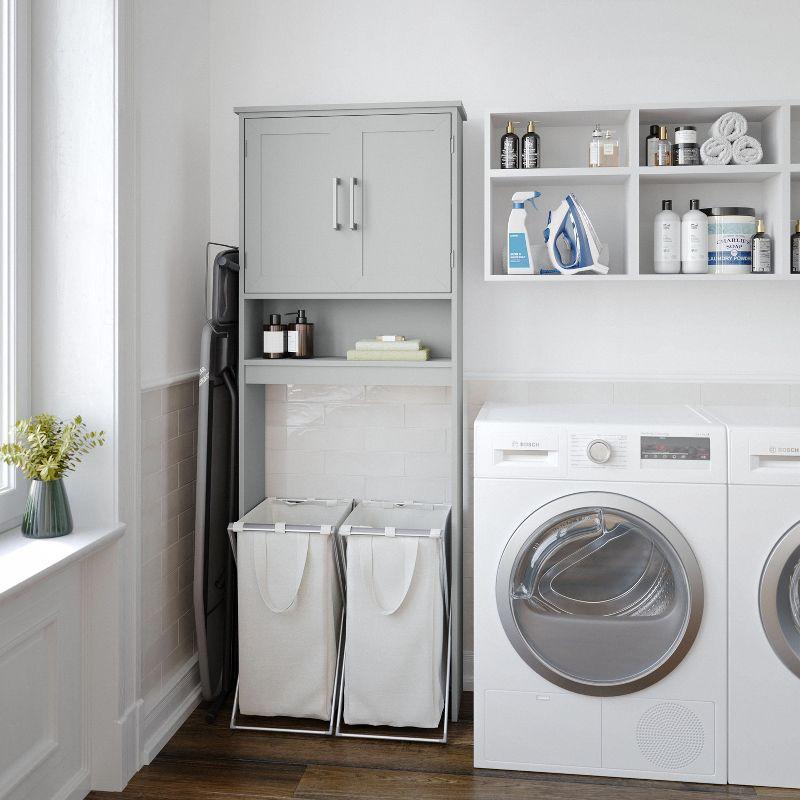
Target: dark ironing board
(216,501)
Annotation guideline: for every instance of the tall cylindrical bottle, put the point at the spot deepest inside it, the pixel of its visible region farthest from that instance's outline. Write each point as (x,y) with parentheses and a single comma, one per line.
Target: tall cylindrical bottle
(667,240)
(795,269)
(509,148)
(694,240)
(305,336)
(531,153)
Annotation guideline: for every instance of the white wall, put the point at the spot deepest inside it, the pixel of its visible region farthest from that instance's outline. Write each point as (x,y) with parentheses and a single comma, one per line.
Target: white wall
(73,282)
(577,52)
(171,63)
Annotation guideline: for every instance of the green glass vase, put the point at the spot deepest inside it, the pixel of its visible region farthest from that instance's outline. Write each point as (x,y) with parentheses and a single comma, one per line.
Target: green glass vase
(47,512)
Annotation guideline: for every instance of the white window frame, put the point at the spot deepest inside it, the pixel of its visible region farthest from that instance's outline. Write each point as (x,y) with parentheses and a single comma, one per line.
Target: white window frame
(14,240)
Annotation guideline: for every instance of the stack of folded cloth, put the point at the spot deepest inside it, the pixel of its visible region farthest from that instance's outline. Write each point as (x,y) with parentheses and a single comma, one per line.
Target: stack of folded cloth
(728,141)
(389,349)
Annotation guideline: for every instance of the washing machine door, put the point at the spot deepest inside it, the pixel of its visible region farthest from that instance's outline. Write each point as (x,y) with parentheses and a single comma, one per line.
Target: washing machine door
(779,598)
(599,593)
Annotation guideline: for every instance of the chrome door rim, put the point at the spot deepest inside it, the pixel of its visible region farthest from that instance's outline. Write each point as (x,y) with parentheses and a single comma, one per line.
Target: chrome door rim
(540,520)
(778,558)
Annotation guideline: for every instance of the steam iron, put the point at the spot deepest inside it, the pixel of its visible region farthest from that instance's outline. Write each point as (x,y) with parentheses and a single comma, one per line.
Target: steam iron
(572,243)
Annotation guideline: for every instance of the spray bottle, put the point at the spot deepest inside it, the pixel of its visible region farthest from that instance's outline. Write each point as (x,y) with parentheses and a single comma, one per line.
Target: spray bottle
(519,260)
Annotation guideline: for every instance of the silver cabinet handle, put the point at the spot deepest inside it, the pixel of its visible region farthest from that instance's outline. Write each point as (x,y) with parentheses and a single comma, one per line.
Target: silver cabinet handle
(336,204)
(353,184)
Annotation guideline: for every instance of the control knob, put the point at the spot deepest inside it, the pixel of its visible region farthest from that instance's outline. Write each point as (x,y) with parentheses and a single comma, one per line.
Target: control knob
(599,451)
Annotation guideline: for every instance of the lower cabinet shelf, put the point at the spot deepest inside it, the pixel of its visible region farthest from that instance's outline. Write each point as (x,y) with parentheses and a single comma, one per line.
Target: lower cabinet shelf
(436,372)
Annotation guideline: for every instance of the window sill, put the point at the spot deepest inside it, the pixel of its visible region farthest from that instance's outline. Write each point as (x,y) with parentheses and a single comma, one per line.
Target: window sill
(25,561)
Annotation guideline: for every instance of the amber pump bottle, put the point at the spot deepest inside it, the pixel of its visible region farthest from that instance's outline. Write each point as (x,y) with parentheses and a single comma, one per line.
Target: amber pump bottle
(301,340)
(274,338)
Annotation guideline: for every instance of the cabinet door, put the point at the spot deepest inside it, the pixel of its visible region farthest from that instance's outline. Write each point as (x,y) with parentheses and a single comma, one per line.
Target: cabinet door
(295,193)
(403,202)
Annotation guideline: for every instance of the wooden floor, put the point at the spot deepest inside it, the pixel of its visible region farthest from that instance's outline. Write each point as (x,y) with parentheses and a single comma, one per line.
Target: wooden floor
(209,762)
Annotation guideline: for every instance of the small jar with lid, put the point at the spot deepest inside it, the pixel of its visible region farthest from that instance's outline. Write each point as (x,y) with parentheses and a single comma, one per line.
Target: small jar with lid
(685,152)
(274,338)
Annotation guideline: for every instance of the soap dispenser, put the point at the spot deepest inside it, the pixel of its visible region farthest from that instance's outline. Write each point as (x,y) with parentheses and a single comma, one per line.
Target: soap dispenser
(303,336)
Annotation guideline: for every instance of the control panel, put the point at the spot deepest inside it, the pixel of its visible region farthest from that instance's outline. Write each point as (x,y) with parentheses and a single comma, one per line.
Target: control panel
(595,450)
(675,448)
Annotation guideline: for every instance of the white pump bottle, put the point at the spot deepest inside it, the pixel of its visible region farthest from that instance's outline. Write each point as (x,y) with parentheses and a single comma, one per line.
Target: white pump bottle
(519,259)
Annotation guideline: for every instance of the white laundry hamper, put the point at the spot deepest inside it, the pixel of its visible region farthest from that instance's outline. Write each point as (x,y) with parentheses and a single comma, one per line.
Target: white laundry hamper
(397,628)
(290,609)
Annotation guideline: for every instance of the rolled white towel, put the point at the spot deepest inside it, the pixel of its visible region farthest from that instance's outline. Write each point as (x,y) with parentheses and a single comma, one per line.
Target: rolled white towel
(730,126)
(716,152)
(747,150)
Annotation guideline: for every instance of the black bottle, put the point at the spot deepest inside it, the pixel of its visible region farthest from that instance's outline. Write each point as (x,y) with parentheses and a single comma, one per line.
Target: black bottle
(795,270)
(650,146)
(530,148)
(509,148)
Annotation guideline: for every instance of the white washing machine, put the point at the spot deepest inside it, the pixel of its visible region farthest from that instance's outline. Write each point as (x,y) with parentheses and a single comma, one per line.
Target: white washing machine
(764,592)
(600,591)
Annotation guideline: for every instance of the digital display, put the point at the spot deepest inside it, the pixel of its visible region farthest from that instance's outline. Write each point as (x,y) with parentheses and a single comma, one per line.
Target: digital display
(676,448)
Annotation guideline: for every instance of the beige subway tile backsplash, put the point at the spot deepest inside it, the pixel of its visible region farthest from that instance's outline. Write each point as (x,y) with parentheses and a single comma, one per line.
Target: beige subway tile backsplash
(747,394)
(420,440)
(406,394)
(169,468)
(364,415)
(323,393)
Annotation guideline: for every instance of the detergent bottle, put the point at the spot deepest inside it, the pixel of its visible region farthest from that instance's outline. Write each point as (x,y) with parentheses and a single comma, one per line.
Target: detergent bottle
(519,259)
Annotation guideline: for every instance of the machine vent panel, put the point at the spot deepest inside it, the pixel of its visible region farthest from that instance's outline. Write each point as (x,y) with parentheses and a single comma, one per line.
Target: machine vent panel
(670,736)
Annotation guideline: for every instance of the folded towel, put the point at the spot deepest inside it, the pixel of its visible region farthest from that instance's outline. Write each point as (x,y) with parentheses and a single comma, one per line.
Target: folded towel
(389,355)
(730,126)
(747,150)
(716,151)
(374,344)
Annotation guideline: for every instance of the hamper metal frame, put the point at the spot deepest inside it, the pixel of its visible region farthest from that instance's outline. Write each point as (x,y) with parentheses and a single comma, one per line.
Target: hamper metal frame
(441,534)
(323,530)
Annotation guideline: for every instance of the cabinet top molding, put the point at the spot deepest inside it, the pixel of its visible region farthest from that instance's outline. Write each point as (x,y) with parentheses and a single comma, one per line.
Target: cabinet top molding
(357,107)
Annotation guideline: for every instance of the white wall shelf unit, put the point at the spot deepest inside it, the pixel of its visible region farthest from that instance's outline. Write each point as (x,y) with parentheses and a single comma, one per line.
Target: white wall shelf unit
(327,197)
(622,201)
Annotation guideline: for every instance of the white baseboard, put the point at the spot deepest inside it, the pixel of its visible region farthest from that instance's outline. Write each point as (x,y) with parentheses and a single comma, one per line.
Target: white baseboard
(77,788)
(469,670)
(171,711)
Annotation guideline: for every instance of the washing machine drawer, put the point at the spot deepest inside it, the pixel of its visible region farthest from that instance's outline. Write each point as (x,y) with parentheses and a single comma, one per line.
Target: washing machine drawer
(544,728)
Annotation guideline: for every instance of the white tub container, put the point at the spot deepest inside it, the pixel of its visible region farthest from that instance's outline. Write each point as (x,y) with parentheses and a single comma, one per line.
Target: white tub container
(730,237)
(289,593)
(394,662)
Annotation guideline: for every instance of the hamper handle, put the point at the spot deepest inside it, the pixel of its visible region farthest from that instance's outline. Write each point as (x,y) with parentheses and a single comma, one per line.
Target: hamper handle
(261,564)
(409,567)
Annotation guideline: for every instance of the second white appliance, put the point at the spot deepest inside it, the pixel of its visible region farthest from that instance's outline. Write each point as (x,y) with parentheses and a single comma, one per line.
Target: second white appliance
(600,591)
(764,589)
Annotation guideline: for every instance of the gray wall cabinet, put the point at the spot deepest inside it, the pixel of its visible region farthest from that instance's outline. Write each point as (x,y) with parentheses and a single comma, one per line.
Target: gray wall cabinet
(348,203)
(354,213)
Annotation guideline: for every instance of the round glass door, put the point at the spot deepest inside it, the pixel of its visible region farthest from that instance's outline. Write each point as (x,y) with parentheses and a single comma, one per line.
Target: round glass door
(599,593)
(779,599)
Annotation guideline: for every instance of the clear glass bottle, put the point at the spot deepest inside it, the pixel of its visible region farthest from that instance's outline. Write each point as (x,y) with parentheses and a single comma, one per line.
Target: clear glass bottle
(609,150)
(663,149)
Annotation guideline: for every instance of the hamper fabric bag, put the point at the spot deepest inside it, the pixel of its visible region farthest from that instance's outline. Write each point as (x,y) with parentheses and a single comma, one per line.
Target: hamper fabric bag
(393,667)
(289,613)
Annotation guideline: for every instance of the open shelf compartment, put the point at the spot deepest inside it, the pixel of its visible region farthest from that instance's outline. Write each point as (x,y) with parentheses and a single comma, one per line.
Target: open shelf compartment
(764,122)
(564,135)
